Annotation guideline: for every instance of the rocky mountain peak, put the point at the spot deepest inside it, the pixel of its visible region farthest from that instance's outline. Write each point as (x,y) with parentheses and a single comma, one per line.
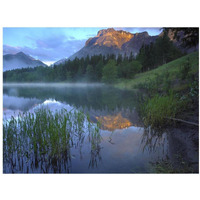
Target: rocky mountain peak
(110,38)
(142,34)
(111,41)
(104,31)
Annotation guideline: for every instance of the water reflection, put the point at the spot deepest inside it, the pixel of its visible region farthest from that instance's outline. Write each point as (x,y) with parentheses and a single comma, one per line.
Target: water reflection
(153,140)
(19,103)
(118,148)
(96,98)
(42,141)
(114,108)
(112,122)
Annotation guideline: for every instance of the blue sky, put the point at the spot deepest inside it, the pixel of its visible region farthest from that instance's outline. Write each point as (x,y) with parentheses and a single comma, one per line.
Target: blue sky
(52,44)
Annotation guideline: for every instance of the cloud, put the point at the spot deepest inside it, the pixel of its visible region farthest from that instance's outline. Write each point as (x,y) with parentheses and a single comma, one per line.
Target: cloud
(150,30)
(52,42)
(49,49)
(10,50)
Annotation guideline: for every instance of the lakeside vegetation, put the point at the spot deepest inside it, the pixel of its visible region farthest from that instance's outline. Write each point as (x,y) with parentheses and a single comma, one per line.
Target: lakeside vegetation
(43,140)
(171,71)
(172,91)
(176,94)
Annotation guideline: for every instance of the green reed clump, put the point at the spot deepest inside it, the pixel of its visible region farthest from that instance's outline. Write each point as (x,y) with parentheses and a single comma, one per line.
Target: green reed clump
(44,137)
(158,109)
(95,140)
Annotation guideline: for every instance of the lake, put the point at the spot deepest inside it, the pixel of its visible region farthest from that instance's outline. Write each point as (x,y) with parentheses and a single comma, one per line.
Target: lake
(125,146)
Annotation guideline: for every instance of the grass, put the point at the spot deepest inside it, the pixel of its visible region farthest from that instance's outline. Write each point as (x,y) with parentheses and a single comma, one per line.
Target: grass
(44,139)
(156,110)
(173,68)
(170,90)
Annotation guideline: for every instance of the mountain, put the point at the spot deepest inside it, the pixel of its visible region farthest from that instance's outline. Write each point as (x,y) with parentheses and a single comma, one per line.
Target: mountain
(59,61)
(179,43)
(19,60)
(110,41)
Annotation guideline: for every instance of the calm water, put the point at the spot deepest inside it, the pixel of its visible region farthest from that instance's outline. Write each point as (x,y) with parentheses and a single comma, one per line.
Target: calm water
(124,146)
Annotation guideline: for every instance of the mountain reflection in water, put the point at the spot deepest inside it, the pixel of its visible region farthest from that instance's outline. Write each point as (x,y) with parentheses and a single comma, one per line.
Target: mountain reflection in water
(112,122)
(120,148)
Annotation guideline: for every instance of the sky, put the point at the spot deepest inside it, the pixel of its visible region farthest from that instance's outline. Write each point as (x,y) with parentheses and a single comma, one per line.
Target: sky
(52,44)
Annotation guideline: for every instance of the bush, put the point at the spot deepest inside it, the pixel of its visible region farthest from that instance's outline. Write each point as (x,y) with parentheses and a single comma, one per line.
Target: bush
(133,68)
(129,69)
(110,72)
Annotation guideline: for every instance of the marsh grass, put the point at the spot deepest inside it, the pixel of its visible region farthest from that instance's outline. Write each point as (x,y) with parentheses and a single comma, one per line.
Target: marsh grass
(170,93)
(41,141)
(164,101)
(159,108)
(95,140)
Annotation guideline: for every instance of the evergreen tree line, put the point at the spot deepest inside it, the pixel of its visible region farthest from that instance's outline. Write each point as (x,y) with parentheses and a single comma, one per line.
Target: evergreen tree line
(158,53)
(100,68)
(88,69)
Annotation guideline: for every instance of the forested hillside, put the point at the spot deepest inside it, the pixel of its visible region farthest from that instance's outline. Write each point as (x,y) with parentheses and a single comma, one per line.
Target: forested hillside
(99,68)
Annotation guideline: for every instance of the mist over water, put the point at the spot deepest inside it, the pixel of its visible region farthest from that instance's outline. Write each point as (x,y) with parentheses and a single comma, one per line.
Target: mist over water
(54,84)
(120,149)
(19,103)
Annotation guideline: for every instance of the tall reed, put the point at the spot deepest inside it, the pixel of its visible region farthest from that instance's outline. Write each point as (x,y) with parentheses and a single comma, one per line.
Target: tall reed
(42,141)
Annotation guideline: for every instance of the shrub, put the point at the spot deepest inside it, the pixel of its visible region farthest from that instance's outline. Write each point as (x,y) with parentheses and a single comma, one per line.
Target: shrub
(110,72)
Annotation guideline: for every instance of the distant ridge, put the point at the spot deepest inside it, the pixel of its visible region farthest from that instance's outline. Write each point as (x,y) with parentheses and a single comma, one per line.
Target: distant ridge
(19,60)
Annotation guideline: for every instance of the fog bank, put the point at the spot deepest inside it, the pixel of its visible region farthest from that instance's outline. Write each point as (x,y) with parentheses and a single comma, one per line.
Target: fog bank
(53,84)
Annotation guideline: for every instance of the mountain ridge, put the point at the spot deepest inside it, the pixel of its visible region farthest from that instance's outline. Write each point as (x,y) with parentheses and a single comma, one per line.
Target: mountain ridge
(20,60)
(111,41)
